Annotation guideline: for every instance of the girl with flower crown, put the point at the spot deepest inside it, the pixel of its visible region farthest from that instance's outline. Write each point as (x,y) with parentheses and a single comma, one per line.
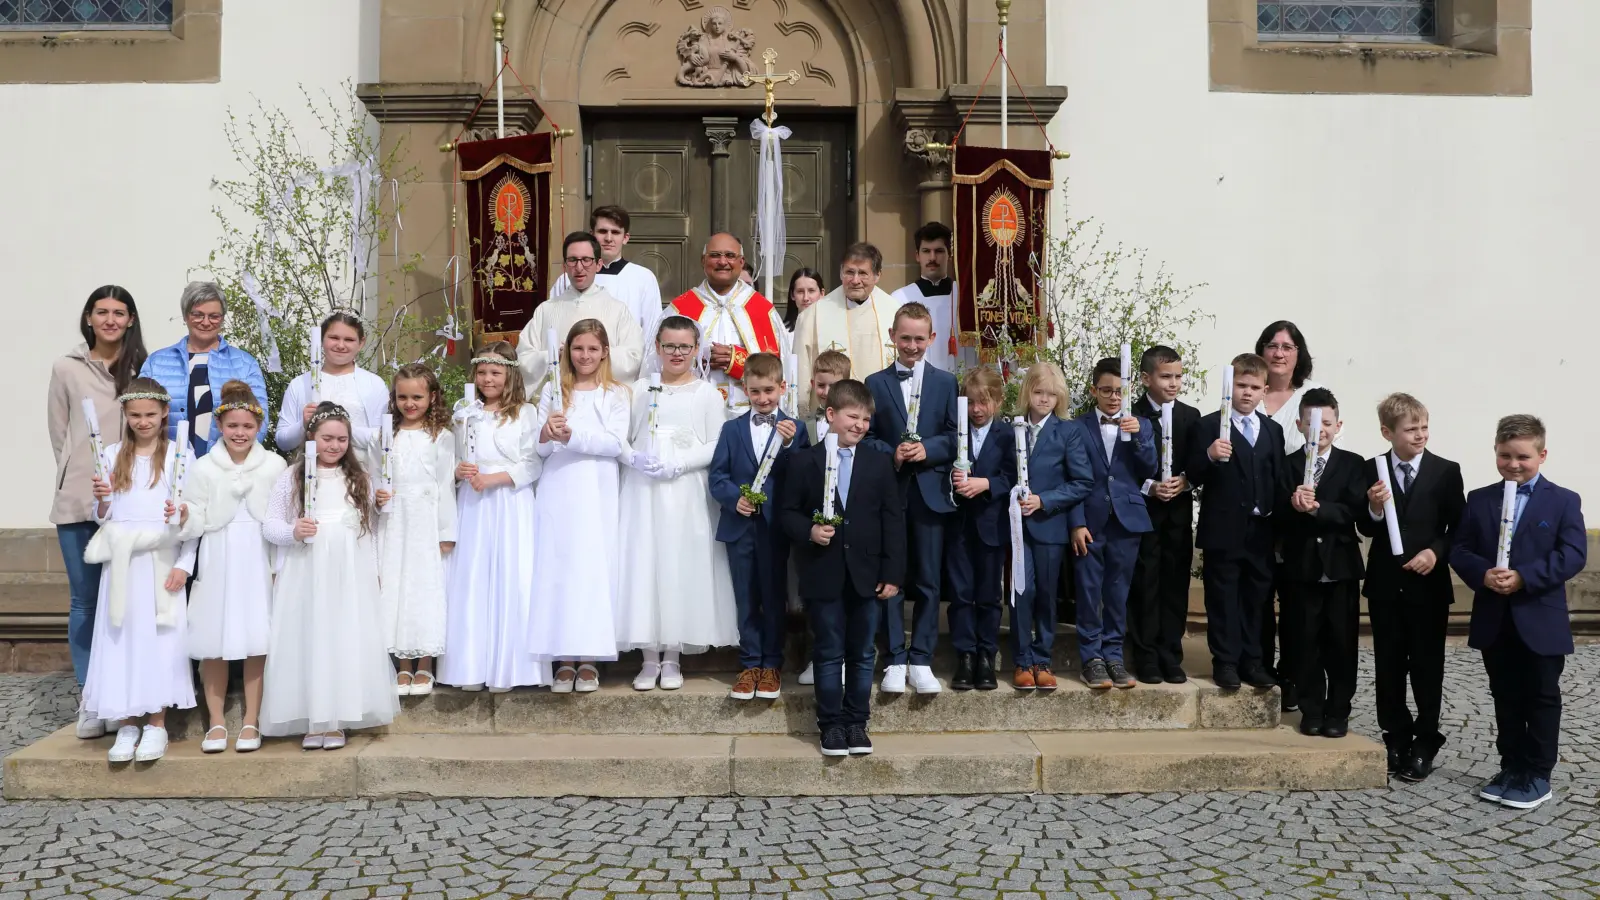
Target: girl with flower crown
(328,664)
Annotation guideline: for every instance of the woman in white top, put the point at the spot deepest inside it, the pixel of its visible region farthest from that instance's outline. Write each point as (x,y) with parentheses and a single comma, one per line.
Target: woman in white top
(1288,378)
(362,394)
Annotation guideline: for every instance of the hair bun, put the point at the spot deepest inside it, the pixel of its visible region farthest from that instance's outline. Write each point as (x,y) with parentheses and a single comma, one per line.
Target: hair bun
(236,392)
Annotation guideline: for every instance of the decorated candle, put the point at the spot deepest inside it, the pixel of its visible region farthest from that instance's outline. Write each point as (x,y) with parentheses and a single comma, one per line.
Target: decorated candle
(962,435)
(830,481)
(96,444)
(1226,425)
(1508,519)
(470,424)
(309,489)
(1166,442)
(1390,517)
(180,466)
(315,348)
(1313,445)
(1127,384)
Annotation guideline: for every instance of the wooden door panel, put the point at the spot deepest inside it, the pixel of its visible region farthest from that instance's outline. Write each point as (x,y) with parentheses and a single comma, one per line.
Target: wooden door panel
(816,198)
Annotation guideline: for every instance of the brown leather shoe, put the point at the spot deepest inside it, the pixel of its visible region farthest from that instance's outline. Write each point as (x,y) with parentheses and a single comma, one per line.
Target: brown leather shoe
(744,688)
(1022,679)
(768,684)
(1043,678)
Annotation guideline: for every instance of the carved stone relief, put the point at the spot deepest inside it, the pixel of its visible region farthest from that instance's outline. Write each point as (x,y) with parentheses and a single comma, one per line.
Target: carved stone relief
(714,54)
(936,163)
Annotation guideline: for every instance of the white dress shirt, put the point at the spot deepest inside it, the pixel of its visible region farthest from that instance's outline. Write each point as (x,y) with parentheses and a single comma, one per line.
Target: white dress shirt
(759,435)
(979,434)
(1396,477)
(1108,435)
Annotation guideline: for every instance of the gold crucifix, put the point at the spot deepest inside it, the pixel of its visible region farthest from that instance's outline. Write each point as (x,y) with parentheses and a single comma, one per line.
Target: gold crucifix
(769,81)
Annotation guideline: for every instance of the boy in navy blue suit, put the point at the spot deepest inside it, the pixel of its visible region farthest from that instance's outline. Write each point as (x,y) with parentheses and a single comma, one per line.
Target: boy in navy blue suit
(1107,525)
(848,565)
(758,553)
(1519,610)
(914,421)
(978,537)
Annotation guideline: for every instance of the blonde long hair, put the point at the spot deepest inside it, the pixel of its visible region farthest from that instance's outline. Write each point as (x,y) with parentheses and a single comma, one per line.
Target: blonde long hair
(1046,375)
(569,375)
(122,466)
(516,390)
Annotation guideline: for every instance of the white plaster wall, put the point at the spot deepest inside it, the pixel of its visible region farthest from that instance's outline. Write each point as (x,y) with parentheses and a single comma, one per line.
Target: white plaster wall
(111,184)
(1438,245)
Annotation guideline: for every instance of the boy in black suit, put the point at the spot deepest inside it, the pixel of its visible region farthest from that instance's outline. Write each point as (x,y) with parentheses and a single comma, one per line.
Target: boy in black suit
(849,564)
(1242,480)
(1158,604)
(978,538)
(1409,595)
(1322,567)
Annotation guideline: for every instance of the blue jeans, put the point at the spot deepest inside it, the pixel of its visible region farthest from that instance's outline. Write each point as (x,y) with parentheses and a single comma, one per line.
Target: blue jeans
(83,579)
(843,628)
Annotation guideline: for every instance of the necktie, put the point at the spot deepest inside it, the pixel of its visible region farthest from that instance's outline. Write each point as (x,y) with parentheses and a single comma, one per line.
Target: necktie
(902,374)
(1407,473)
(846,462)
(1316,470)
(764,419)
(1248,429)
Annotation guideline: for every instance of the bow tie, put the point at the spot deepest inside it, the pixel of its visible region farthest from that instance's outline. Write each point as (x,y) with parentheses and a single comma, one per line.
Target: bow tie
(903,374)
(1107,420)
(764,418)
(1525,490)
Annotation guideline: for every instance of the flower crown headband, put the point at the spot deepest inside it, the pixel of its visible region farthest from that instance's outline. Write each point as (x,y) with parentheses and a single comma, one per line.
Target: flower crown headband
(491,360)
(337,412)
(159,396)
(250,407)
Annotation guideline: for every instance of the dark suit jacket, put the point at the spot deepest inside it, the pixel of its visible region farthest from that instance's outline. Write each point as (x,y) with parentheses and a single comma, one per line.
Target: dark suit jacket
(1548,549)
(1060,472)
(735,463)
(1323,542)
(936,424)
(869,548)
(1184,417)
(986,513)
(1117,482)
(1428,514)
(1224,504)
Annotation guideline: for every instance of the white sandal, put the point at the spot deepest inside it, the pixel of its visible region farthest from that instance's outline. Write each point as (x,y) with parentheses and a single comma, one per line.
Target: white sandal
(210,744)
(646,679)
(402,688)
(421,688)
(563,686)
(587,685)
(244,744)
(333,740)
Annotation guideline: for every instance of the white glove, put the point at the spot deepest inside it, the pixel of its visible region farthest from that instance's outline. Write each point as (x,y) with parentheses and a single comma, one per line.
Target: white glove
(662,471)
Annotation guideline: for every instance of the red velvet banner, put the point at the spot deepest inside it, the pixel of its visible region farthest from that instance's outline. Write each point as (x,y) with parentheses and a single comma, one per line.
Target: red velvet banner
(1002,206)
(508,226)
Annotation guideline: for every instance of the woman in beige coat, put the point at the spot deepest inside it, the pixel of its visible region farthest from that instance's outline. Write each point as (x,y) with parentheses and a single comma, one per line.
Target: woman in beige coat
(98,369)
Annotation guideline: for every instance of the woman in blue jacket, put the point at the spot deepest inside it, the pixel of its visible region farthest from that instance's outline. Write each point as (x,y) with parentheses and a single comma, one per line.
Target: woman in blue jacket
(194,369)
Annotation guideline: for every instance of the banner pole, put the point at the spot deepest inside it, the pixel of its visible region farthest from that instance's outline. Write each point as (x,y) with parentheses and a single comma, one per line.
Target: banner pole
(500,69)
(1003,9)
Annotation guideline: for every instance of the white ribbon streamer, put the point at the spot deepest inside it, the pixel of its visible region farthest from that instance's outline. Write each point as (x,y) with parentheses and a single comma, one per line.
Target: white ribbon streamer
(771,234)
(265,313)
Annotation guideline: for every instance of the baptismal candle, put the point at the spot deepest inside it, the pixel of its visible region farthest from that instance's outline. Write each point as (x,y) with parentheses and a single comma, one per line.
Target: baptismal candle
(1390,517)
(1226,425)
(309,490)
(1508,518)
(962,435)
(97,444)
(315,348)
(1127,385)
(1313,446)
(180,466)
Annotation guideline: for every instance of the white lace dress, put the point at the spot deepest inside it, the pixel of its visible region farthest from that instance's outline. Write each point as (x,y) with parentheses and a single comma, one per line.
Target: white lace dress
(230,606)
(675,590)
(327,663)
(139,666)
(576,556)
(420,517)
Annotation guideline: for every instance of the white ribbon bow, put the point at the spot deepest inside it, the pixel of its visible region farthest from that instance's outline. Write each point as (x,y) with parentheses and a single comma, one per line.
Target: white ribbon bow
(770,227)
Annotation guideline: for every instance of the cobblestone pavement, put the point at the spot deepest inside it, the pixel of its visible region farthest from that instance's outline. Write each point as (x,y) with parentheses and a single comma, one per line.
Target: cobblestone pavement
(1433,839)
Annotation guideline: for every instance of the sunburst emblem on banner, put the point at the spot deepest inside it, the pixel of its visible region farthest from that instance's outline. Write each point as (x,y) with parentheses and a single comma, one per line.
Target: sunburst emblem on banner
(511,205)
(1003,229)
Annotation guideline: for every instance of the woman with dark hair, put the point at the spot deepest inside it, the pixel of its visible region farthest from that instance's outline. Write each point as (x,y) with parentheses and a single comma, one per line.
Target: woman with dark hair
(98,369)
(195,368)
(1288,378)
(805,288)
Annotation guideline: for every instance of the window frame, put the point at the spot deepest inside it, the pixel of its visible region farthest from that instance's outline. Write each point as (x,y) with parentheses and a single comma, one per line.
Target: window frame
(35,27)
(189,51)
(1347,37)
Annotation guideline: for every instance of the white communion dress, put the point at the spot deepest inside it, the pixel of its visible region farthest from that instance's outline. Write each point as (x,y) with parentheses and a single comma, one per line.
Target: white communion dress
(675,590)
(420,516)
(230,606)
(327,664)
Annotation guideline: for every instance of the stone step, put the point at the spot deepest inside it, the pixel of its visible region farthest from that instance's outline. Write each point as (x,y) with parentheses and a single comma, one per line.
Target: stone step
(61,767)
(702,707)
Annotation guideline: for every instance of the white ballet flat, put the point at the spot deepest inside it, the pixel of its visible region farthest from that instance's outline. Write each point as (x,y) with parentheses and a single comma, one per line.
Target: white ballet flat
(421,688)
(311,742)
(333,741)
(671,676)
(404,689)
(215,745)
(247,744)
(558,686)
(646,679)
(590,683)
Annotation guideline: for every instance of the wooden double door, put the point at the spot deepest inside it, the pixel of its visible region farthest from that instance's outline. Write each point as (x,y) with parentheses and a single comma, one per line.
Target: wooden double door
(682,180)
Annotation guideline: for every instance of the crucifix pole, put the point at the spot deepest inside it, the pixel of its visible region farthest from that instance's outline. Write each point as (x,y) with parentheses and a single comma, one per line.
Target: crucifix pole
(769,82)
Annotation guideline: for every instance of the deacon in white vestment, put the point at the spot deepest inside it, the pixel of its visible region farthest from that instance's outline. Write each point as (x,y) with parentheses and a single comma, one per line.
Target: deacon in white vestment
(585,300)
(855,319)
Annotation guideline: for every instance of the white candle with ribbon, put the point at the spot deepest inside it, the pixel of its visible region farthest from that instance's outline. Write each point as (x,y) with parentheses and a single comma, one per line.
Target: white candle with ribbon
(914,408)
(1019,582)
(1226,425)
(769,456)
(1508,521)
(1313,445)
(386,460)
(655,404)
(1127,385)
(1166,442)
(1391,518)
(469,424)
(308,492)
(1019,430)
(791,381)
(97,444)
(963,435)
(315,348)
(180,467)
(552,349)
(830,480)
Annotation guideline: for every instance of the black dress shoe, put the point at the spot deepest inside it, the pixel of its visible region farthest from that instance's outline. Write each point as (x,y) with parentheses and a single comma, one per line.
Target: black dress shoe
(1335,728)
(1148,674)
(962,679)
(1226,677)
(1417,768)
(1291,698)
(1172,673)
(1310,727)
(1398,759)
(983,673)
(1256,676)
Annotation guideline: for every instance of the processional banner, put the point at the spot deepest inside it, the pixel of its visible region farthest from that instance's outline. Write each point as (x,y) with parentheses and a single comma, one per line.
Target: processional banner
(508,226)
(1002,205)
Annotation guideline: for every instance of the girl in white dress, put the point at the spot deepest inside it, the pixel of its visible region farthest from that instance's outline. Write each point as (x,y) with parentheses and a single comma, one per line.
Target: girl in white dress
(490,576)
(418,527)
(327,662)
(360,393)
(576,556)
(675,592)
(137,663)
(225,503)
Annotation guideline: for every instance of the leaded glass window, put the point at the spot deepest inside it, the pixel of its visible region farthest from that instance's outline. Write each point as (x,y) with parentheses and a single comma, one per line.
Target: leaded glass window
(84,15)
(1352,20)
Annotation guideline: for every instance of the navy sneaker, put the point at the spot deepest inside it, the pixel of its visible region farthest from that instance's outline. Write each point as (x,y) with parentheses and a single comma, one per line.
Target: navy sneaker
(1494,788)
(1526,792)
(834,742)
(857,741)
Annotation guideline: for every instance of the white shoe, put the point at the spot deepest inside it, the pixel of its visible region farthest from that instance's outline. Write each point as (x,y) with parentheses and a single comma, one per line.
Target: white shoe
(561,685)
(499,690)
(472,687)
(247,744)
(152,744)
(214,745)
(89,729)
(809,675)
(588,679)
(894,680)
(127,739)
(311,742)
(647,677)
(671,676)
(333,741)
(923,680)
(421,688)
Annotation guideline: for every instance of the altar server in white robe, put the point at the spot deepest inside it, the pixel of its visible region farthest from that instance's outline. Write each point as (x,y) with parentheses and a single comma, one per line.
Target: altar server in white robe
(633,284)
(936,290)
(491,570)
(230,604)
(576,557)
(854,318)
(586,299)
(676,593)
(362,395)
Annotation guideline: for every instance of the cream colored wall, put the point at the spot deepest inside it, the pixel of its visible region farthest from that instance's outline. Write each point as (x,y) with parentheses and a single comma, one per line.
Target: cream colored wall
(1437,245)
(111,184)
